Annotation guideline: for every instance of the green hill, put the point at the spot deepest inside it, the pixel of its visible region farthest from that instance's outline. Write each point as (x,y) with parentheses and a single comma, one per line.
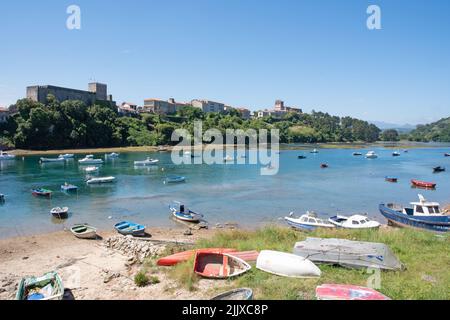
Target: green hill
(437,131)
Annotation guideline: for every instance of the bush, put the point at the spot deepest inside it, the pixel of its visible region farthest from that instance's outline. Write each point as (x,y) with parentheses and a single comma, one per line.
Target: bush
(141,279)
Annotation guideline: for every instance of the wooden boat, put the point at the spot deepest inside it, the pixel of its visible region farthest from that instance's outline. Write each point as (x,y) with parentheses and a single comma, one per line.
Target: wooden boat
(324,166)
(175,179)
(60,213)
(396,154)
(47,287)
(286,265)
(52,160)
(307,222)
(101,180)
(438,169)
(248,256)
(423,184)
(41,192)
(347,292)
(219,265)
(6,156)
(237,294)
(89,159)
(391,179)
(301,157)
(422,215)
(147,162)
(354,222)
(130,228)
(357,154)
(66,156)
(67,187)
(84,231)
(371,155)
(181,212)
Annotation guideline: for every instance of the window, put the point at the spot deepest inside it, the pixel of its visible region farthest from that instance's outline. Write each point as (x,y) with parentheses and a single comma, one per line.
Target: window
(355,222)
(363,221)
(311,220)
(419,209)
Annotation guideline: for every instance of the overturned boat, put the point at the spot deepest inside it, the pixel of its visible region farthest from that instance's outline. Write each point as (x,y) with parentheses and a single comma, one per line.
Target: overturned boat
(352,254)
(347,292)
(286,265)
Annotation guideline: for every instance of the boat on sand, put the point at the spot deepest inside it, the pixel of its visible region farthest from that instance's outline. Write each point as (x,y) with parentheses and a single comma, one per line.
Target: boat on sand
(219,265)
(84,231)
(286,265)
(130,228)
(354,222)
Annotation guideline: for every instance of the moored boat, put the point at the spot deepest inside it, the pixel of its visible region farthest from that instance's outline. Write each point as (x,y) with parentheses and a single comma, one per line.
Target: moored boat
(60,213)
(47,287)
(228,158)
(66,156)
(301,157)
(354,222)
(423,184)
(396,154)
(130,228)
(101,180)
(357,154)
(347,292)
(89,159)
(237,294)
(315,151)
(391,179)
(41,192)
(307,222)
(2,198)
(112,155)
(84,231)
(6,156)
(52,160)
(91,169)
(324,165)
(147,162)
(181,212)
(423,215)
(286,265)
(371,155)
(219,265)
(438,169)
(67,187)
(446,154)
(174,179)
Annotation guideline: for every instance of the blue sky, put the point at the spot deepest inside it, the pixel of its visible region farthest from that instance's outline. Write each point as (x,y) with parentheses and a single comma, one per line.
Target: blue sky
(313,54)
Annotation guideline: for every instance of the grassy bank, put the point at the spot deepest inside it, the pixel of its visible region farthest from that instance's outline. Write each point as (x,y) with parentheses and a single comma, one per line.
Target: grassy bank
(425,255)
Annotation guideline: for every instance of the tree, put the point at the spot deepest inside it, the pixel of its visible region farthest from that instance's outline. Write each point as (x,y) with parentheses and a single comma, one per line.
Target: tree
(390,135)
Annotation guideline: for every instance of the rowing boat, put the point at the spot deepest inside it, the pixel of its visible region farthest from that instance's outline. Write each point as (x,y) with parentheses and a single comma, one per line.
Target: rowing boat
(286,265)
(219,265)
(84,231)
(423,184)
(174,259)
(60,213)
(47,287)
(130,228)
(237,294)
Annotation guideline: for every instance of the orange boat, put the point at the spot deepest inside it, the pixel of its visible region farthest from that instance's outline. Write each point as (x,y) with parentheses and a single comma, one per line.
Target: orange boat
(219,265)
(180,257)
(423,184)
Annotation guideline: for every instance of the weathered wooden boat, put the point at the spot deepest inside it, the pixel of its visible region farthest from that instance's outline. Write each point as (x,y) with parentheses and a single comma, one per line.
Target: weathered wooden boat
(66,156)
(147,162)
(52,160)
(175,179)
(357,154)
(219,265)
(89,159)
(423,184)
(286,265)
(67,187)
(371,155)
(391,179)
(301,157)
(101,180)
(60,213)
(324,166)
(438,169)
(130,228)
(347,253)
(174,259)
(181,212)
(47,287)
(6,156)
(347,292)
(307,222)
(237,294)
(84,231)
(422,215)
(41,192)
(396,154)
(354,222)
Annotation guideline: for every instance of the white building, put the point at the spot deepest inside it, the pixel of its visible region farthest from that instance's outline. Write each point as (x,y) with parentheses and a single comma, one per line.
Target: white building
(208,105)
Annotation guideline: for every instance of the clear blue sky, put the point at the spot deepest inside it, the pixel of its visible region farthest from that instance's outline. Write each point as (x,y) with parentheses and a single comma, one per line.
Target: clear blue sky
(313,54)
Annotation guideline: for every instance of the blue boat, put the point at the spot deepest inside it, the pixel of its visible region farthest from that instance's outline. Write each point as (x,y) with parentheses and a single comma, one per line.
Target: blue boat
(67,187)
(180,212)
(307,222)
(130,228)
(175,179)
(423,215)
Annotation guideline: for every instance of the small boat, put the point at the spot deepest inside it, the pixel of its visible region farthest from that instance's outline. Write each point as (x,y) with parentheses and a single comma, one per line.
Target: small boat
(130,228)
(2,198)
(112,155)
(324,166)
(89,159)
(371,155)
(228,158)
(175,179)
(396,154)
(67,187)
(180,212)
(6,156)
(301,157)
(354,222)
(356,154)
(315,151)
(347,292)
(174,259)
(446,154)
(60,213)
(237,294)
(307,222)
(423,184)
(84,231)
(47,287)
(41,192)
(91,169)
(66,156)
(422,215)
(438,169)
(101,180)
(391,179)
(147,162)
(219,265)
(52,160)
(286,265)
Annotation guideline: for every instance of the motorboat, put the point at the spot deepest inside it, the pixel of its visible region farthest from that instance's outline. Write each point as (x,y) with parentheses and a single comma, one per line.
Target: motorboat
(91,169)
(391,179)
(174,179)
(324,165)
(67,187)
(307,222)
(438,169)
(315,151)
(66,156)
(396,154)
(228,158)
(147,162)
(6,156)
(181,212)
(356,154)
(354,222)
(52,160)
(112,155)
(101,180)
(89,159)
(371,155)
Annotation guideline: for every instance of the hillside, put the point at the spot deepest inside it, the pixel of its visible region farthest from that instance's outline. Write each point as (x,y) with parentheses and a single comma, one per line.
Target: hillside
(437,131)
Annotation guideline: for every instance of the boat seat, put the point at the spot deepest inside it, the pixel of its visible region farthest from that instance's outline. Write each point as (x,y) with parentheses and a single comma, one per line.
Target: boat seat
(225,269)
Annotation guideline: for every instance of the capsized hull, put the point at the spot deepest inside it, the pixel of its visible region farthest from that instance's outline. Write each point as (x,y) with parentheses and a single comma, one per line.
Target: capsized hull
(287,265)
(347,292)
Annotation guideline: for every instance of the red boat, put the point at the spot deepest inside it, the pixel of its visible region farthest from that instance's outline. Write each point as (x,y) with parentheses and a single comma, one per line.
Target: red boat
(219,265)
(180,257)
(423,184)
(347,292)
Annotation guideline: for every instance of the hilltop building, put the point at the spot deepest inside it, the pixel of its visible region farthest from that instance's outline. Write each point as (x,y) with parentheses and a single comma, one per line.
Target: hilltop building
(278,111)
(162,107)
(208,105)
(128,109)
(4,114)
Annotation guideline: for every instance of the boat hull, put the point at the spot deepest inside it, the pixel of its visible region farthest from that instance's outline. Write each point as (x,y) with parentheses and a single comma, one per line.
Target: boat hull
(129,228)
(423,184)
(287,265)
(302,226)
(83,231)
(219,265)
(237,294)
(347,292)
(248,256)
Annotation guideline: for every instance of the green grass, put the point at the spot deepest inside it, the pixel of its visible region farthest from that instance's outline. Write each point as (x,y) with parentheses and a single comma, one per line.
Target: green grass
(425,255)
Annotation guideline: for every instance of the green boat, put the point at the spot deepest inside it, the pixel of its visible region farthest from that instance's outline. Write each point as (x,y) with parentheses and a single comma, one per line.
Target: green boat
(47,287)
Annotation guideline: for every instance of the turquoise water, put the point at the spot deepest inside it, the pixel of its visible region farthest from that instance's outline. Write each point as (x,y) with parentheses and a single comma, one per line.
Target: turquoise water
(223,193)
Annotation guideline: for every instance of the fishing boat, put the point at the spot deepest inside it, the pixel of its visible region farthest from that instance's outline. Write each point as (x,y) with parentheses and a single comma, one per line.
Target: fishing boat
(101,180)
(174,259)
(112,155)
(130,228)
(315,151)
(67,187)
(349,254)
(52,160)
(219,265)
(347,292)
(446,154)
(286,265)
(47,287)
(423,215)
(175,179)
(84,231)
(354,222)
(181,212)
(60,213)
(396,154)
(438,169)
(356,154)
(307,222)
(237,294)
(301,157)
(391,179)
(89,159)
(6,156)
(91,169)
(423,184)
(371,155)
(41,192)
(147,162)
(324,165)
(66,156)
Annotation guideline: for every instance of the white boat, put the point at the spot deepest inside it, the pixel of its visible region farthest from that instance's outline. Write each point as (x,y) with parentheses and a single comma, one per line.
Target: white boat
(307,222)
(91,169)
(315,151)
(66,156)
(354,222)
(147,162)
(60,213)
(6,156)
(228,158)
(112,155)
(53,160)
(100,180)
(396,154)
(286,265)
(89,159)
(371,155)
(84,231)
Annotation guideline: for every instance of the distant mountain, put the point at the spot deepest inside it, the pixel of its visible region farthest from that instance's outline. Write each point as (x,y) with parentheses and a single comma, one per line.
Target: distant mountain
(438,131)
(386,125)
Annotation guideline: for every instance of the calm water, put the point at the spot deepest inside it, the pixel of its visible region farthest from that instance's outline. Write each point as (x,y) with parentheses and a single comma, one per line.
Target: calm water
(224,193)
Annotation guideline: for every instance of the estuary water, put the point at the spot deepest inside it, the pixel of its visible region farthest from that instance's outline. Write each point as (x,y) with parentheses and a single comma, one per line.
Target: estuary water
(223,193)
